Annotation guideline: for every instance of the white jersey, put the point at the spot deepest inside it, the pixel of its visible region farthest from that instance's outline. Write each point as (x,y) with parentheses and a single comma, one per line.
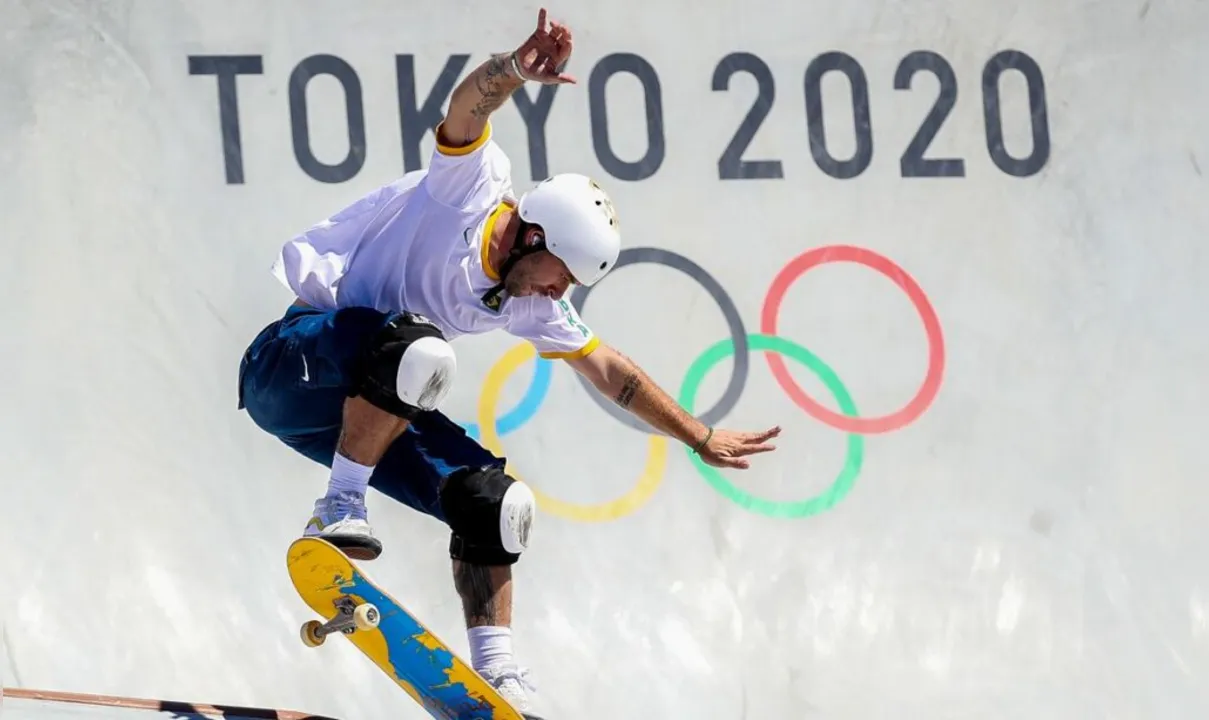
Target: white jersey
(419,244)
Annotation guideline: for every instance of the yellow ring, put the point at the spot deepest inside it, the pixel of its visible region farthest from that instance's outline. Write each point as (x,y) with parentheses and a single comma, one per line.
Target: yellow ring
(648,482)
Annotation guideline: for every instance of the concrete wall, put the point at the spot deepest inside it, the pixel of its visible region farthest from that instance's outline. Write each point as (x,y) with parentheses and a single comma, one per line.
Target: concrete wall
(986,226)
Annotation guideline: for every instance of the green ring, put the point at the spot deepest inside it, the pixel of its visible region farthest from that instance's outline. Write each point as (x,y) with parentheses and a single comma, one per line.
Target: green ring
(856,443)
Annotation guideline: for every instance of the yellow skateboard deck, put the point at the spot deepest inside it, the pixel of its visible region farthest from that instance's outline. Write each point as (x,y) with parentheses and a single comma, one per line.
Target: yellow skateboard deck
(398,643)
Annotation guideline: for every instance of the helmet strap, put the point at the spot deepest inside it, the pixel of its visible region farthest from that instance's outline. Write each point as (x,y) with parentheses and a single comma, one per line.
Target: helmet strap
(492,298)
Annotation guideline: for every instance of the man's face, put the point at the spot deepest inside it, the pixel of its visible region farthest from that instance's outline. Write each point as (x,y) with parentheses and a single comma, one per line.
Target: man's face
(539,274)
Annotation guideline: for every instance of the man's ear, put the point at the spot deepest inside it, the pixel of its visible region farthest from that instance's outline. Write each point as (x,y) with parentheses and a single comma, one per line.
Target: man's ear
(534,236)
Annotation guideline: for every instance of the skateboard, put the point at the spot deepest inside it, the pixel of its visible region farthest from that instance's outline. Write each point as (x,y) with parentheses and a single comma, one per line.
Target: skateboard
(398,643)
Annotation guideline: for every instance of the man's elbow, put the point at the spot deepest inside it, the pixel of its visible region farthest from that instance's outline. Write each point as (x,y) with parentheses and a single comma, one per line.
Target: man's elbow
(596,366)
(457,131)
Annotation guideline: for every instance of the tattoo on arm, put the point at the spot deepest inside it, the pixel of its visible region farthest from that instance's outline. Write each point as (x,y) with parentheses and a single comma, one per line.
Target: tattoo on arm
(473,583)
(480,94)
(494,86)
(642,396)
(628,388)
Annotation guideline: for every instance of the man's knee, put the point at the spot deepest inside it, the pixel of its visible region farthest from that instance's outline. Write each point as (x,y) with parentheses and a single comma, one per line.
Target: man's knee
(490,515)
(407,367)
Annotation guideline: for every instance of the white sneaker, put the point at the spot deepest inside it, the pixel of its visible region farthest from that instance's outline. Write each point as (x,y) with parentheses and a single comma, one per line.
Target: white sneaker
(516,687)
(343,521)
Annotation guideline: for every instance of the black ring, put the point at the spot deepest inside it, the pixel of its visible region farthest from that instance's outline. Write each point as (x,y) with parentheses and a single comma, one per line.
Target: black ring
(738,333)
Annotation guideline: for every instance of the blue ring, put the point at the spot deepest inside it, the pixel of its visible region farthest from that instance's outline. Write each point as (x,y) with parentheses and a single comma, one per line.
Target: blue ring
(526,408)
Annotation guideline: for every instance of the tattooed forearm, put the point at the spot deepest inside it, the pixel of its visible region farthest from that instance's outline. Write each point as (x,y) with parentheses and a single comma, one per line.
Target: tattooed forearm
(474,584)
(632,389)
(630,386)
(494,85)
(479,95)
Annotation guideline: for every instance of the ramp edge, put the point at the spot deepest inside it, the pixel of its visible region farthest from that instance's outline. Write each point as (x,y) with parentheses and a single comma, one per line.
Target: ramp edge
(170,706)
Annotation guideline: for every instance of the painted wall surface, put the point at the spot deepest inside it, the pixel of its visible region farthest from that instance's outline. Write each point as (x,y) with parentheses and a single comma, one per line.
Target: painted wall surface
(956,249)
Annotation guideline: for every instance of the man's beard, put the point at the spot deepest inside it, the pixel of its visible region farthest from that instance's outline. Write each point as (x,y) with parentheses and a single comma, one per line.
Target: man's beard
(515,284)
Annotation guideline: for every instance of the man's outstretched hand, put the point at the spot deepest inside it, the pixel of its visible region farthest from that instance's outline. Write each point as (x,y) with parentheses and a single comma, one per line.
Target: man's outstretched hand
(727,448)
(546,50)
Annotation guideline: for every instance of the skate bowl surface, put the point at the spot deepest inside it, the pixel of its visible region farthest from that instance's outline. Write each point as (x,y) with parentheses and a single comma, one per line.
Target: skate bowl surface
(956,250)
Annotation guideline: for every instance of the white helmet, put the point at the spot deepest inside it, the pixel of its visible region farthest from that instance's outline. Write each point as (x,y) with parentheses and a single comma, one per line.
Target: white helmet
(579,223)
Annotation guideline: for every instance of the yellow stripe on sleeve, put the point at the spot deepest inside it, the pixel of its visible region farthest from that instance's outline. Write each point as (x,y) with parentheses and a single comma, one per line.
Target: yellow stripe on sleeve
(584,351)
(457,151)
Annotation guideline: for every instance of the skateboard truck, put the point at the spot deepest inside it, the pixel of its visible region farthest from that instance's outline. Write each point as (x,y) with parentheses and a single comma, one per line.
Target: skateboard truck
(350,618)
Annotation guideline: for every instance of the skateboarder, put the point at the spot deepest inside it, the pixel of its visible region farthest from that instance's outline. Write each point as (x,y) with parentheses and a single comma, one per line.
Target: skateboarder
(353,374)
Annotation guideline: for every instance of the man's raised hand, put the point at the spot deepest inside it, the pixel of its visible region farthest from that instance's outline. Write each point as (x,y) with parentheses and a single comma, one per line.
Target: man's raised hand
(545,51)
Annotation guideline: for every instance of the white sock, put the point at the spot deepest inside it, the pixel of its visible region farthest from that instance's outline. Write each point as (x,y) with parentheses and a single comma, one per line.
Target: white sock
(489,645)
(348,475)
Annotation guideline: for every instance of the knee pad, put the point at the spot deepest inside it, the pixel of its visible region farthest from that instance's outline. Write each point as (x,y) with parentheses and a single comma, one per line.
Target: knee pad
(490,515)
(407,367)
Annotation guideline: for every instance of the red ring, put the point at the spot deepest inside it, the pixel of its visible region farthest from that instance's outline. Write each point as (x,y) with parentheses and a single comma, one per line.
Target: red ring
(936,349)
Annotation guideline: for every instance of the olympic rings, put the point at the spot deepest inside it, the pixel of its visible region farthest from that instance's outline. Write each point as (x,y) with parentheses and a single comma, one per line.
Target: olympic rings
(738,345)
(734,323)
(936,348)
(648,481)
(526,408)
(856,443)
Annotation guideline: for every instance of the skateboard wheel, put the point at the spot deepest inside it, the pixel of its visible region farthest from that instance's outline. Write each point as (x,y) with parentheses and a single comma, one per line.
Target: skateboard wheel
(310,633)
(366,617)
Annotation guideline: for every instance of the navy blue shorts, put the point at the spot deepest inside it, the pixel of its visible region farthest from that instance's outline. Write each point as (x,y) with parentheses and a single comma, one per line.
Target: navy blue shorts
(294,379)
